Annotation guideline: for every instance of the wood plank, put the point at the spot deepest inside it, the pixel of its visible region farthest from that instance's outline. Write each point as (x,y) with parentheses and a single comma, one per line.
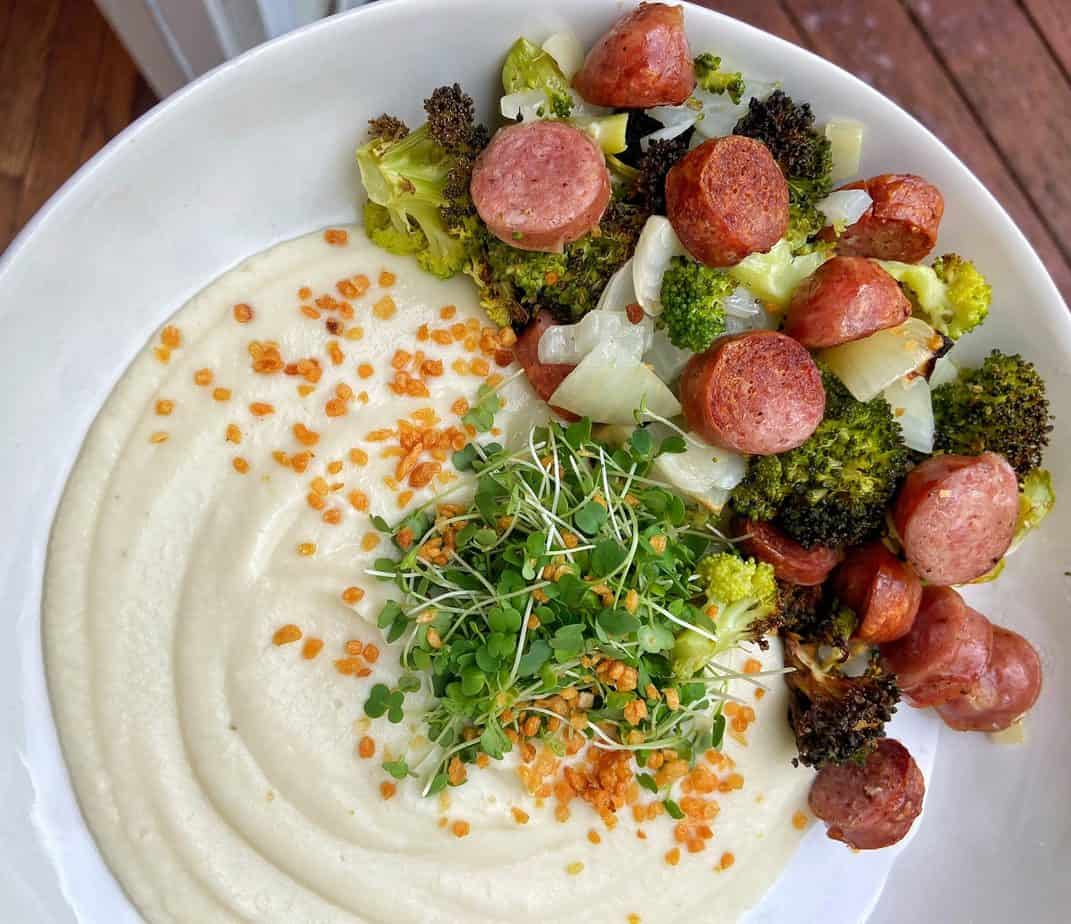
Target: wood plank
(144,98)
(1019,92)
(857,37)
(113,97)
(23,65)
(1052,19)
(6,9)
(767,15)
(10,188)
(65,103)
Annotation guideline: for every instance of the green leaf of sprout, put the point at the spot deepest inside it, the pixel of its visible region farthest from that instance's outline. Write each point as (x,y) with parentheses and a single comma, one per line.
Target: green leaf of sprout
(673,810)
(399,769)
(647,782)
(590,518)
(618,621)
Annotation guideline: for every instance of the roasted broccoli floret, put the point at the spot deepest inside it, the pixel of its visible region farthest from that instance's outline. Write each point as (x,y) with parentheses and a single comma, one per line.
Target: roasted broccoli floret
(832,490)
(836,718)
(387,128)
(710,78)
(787,129)
(951,295)
(515,284)
(529,67)
(693,298)
(648,190)
(421,180)
(804,155)
(742,600)
(999,407)
(815,615)
(383,233)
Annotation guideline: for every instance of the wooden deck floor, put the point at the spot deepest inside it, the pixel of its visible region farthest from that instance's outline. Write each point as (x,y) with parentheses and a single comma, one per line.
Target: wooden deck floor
(992,78)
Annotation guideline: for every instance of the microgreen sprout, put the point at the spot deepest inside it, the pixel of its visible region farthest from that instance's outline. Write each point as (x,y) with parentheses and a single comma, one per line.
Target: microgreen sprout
(568,561)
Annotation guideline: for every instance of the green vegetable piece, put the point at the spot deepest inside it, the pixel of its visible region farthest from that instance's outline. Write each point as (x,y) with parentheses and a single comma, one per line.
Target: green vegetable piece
(951,295)
(693,297)
(710,77)
(398,769)
(654,638)
(1002,407)
(607,557)
(647,782)
(494,742)
(590,518)
(834,489)
(618,622)
(420,183)
(472,681)
(672,809)
(534,658)
(529,67)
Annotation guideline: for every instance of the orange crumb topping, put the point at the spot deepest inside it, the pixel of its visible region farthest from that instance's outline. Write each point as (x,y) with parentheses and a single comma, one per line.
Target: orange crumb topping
(284,635)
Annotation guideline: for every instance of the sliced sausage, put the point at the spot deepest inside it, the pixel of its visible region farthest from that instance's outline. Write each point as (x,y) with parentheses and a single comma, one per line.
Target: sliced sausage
(543,377)
(946,651)
(870,805)
(1003,693)
(791,561)
(727,199)
(758,392)
(845,299)
(540,185)
(884,592)
(956,516)
(901,224)
(642,61)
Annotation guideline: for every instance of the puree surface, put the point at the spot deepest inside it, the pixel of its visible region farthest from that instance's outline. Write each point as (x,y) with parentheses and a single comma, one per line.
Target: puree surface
(218,771)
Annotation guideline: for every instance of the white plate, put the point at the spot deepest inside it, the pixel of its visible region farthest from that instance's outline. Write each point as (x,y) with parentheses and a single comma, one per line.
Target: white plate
(260,151)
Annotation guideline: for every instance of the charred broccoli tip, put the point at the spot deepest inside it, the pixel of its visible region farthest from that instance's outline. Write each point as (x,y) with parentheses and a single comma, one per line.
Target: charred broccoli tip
(836,718)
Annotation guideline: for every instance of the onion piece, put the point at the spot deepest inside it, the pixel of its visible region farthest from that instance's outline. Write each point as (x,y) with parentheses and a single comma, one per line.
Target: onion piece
(676,120)
(619,292)
(846,143)
(567,52)
(657,246)
(611,330)
(698,469)
(526,105)
(945,370)
(909,399)
(742,304)
(610,389)
(720,113)
(844,207)
(667,360)
(868,366)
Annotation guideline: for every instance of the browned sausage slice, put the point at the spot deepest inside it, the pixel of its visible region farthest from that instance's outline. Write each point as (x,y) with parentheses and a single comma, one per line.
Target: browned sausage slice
(727,199)
(956,516)
(758,392)
(870,805)
(845,299)
(540,185)
(543,377)
(791,561)
(1003,693)
(884,592)
(901,224)
(946,651)
(642,61)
